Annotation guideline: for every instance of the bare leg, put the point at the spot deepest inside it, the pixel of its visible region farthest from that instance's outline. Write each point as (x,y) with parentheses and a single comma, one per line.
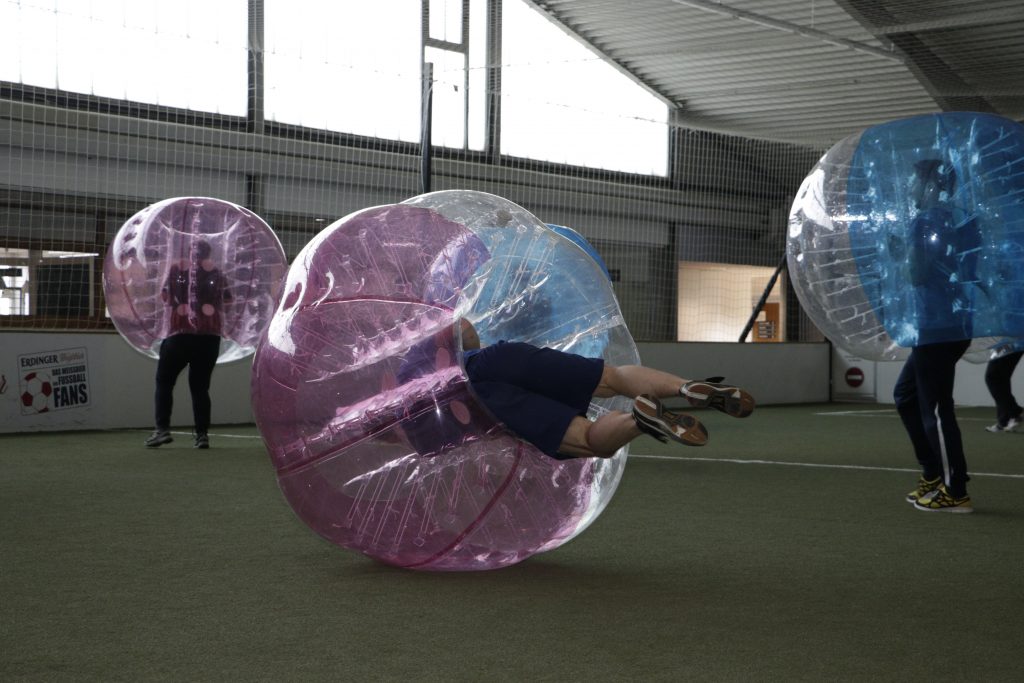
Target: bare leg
(601,438)
(633,380)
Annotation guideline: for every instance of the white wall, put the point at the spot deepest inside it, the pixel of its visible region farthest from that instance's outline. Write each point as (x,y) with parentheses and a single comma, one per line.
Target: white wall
(777,373)
(880,379)
(118,384)
(119,381)
(970,389)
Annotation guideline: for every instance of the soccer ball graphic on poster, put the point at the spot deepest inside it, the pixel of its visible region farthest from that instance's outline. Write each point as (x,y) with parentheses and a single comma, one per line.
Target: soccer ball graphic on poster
(37,393)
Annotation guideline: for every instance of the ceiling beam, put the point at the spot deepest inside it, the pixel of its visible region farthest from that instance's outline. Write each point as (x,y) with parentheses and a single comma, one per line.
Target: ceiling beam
(980,18)
(946,87)
(788,27)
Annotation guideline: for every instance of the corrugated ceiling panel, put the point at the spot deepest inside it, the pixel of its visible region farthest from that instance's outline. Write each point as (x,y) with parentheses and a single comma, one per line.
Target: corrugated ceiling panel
(774,69)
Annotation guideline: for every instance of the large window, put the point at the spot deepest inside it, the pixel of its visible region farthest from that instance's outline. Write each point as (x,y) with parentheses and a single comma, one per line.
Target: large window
(456,49)
(187,54)
(350,67)
(337,70)
(561,102)
(358,68)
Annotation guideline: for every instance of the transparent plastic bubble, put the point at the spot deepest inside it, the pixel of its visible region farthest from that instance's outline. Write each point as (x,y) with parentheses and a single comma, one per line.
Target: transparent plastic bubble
(379,442)
(990,348)
(912,232)
(581,241)
(194,265)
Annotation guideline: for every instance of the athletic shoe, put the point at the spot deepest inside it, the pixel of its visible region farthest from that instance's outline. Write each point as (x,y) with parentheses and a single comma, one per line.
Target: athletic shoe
(202,440)
(654,419)
(712,393)
(941,501)
(925,487)
(1010,426)
(158,438)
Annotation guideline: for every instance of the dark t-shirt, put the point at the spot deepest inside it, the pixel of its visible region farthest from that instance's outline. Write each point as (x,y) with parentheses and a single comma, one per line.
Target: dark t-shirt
(942,269)
(201,315)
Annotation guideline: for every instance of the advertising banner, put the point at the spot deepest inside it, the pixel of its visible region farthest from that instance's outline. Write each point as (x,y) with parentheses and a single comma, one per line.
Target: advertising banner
(45,388)
(53,380)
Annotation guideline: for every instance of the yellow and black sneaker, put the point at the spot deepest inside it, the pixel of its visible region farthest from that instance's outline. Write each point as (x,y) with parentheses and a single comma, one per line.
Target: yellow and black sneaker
(941,501)
(654,419)
(711,393)
(924,487)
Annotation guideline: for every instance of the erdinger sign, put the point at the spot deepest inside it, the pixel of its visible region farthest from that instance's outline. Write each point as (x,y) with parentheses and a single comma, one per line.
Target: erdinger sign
(53,380)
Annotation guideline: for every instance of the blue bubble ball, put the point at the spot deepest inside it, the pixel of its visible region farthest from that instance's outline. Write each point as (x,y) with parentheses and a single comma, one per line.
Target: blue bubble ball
(911,232)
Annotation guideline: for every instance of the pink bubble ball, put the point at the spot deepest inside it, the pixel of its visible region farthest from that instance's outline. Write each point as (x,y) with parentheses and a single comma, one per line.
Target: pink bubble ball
(194,265)
(379,442)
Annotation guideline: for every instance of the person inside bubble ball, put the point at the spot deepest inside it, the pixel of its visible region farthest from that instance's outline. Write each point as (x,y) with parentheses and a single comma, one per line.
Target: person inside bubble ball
(194,293)
(542,395)
(941,263)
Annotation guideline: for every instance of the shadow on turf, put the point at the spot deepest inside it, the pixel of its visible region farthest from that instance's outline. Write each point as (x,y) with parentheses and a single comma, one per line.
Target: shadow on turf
(548,571)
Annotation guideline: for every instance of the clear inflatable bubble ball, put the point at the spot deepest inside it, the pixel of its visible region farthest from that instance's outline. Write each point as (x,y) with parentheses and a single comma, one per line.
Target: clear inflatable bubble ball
(912,232)
(194,265)
(359,390)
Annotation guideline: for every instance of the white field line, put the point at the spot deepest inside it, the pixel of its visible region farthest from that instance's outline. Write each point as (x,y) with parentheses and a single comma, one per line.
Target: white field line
(212,434)
(888,412)
(733,461)
(782,463)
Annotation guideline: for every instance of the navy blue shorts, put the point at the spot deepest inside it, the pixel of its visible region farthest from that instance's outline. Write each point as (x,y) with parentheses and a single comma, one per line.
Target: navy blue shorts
(534,391)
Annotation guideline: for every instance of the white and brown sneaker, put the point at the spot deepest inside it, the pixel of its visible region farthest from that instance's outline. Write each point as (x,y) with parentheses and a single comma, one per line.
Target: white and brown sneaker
(711,393)
(654,419)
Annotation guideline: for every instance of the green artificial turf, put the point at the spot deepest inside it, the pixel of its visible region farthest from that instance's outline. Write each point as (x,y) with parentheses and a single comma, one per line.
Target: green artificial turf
(783,550)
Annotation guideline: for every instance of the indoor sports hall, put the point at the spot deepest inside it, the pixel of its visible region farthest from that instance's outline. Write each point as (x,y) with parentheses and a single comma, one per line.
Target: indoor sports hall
(731,193)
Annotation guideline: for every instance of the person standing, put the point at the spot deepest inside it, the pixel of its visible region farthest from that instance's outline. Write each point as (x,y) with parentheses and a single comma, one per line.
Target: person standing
(998,375)
(924,389)
(194,293)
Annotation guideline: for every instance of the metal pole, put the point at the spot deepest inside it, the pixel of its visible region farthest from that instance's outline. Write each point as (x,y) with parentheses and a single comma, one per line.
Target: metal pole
(426,126)
(764,298)
(255,110)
